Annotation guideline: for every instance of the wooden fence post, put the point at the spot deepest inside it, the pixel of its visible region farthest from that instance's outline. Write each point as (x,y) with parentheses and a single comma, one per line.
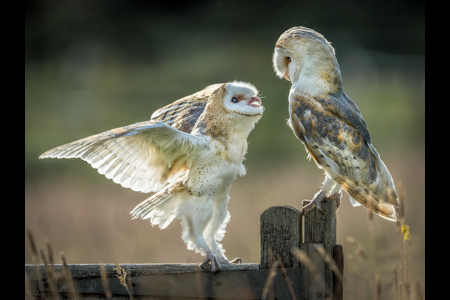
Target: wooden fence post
(320,227)
(281,230)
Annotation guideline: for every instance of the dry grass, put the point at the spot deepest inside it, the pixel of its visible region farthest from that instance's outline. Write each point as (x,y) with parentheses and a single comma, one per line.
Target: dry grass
(104,277)
(330,261)
(124,280)
(303,258)
(267,292)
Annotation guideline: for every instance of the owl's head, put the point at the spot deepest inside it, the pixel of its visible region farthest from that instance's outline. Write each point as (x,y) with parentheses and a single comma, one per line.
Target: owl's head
(231,113)
(236,99)
(242,98)
(300,49)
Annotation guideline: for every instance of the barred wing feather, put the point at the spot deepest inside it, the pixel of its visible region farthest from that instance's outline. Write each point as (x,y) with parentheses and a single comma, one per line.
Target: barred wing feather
(144,157)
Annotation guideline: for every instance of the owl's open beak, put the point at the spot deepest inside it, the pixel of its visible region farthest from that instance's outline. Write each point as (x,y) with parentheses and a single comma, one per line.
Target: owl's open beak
(255,102)
(286,75)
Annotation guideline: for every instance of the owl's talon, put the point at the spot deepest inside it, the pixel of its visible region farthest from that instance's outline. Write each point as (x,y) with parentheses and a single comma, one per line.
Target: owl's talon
(210,262)
(319,198)
(305,202)
(237,260)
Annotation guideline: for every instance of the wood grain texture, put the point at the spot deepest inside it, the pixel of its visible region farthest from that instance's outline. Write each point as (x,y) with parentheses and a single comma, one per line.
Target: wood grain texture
(320,227)
(281,230)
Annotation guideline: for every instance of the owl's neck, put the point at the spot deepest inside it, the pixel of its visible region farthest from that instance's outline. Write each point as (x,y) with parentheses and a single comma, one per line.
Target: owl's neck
(231,130)
(317,75)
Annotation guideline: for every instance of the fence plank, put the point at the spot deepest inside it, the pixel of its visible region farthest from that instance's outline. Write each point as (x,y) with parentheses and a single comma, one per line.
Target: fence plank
(174,281)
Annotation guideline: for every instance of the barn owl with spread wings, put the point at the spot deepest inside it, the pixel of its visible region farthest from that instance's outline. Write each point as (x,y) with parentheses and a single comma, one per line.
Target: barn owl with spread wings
(330,126)
(189,153)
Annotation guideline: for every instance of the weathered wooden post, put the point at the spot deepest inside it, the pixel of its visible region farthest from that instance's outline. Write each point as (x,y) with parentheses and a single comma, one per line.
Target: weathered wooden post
(281,230)
(320,228)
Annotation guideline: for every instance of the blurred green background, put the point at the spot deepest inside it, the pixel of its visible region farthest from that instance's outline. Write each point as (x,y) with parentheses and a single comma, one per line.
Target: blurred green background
(95,65)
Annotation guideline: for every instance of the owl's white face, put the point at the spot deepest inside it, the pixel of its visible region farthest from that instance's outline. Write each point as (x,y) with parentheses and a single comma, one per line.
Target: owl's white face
(283,61)
(241,98)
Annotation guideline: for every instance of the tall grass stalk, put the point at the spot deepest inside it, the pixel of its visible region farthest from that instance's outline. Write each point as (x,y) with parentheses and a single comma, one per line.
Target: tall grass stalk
(68,277)
(331,262)
(37,263)
(104,277)
(302,256)
(52,277)
(267,292)
(377,283)
(285,275)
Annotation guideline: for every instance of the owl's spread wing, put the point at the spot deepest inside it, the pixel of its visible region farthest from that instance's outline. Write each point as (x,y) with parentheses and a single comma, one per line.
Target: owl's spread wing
(184,113)
(337,138)
(144,156)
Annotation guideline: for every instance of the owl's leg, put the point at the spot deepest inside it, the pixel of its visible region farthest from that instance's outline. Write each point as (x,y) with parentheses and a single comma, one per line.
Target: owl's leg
(327,191)
(336,195)
(317,200)
(193,227)
(211,260)
(215,230)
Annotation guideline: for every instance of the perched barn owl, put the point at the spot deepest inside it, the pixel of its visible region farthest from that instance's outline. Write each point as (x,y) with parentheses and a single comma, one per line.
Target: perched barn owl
(330,126)
(189,153)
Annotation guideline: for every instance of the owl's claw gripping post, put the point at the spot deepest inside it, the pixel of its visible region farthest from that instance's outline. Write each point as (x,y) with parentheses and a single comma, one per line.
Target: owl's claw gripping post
(318,199)
(210,262)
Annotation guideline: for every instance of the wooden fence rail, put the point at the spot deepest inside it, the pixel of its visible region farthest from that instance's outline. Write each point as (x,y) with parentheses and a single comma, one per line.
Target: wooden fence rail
(283,272)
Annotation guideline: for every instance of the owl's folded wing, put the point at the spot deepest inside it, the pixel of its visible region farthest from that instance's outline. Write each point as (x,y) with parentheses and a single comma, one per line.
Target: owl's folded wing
(144,156)
(337,138)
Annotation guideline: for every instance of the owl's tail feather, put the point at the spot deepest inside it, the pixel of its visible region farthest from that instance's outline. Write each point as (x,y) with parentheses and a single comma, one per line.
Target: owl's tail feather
(161,208)
(386,211)
(385,203)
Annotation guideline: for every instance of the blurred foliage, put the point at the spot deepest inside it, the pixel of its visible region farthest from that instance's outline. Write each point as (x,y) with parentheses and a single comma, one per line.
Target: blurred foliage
(95,65)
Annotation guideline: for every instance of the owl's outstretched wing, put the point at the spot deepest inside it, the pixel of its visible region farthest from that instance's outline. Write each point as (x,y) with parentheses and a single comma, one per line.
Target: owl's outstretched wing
(337,138)
(144,156)
(184,113)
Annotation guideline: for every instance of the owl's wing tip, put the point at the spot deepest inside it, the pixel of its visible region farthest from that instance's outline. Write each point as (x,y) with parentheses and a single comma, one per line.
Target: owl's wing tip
(393,217)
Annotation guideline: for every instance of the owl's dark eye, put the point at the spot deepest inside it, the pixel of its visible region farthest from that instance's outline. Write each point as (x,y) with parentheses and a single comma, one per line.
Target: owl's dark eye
(289,59)
(235,100)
